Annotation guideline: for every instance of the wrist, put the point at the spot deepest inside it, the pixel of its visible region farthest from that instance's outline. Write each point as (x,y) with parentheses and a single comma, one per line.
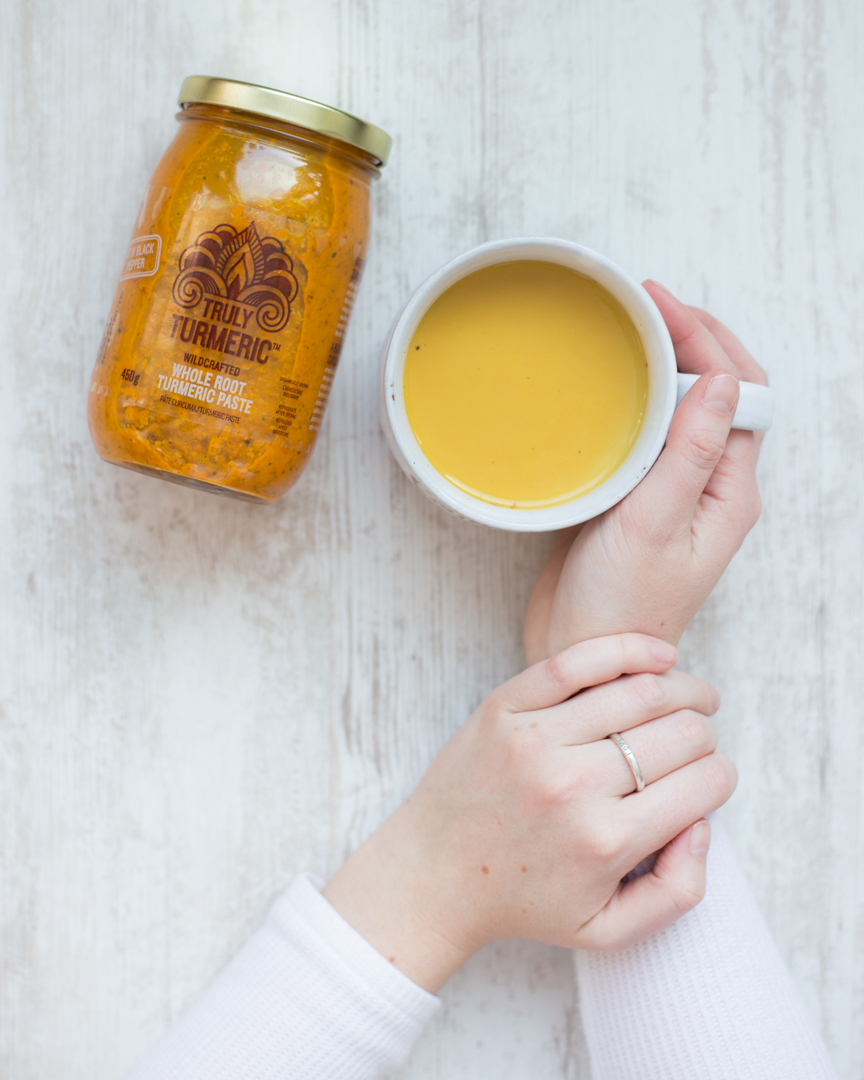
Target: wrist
(386,892)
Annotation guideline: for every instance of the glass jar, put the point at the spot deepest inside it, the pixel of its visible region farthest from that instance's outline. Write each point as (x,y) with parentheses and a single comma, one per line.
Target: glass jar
(229,316)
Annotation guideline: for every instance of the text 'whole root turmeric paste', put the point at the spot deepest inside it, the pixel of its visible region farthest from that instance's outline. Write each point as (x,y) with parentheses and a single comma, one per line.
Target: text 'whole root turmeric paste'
(226,327)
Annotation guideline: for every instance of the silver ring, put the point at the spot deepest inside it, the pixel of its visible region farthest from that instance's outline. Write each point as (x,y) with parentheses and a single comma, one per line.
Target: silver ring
(630,758)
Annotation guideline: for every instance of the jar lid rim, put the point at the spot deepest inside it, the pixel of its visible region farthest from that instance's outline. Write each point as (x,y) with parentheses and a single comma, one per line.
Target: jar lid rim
(301,111)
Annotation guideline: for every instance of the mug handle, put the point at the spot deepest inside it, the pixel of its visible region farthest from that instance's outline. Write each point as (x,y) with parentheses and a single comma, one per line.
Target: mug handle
(755,409)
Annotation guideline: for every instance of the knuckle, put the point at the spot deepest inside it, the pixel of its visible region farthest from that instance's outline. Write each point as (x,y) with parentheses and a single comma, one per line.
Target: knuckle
(718,780)
(705,449)
(553,789)
(631,649)
(696,732)
(518,752)
(686,895)
(695,693)
(558,670)
(710,698)
(650,691)
(731,771)
(707,319)
(603,844)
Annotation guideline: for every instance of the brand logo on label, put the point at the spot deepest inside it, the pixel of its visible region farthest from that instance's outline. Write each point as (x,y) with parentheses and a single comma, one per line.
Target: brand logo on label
(142,258)
(239,266)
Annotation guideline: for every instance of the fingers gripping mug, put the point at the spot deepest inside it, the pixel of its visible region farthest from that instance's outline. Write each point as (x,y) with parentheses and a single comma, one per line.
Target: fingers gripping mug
(529,385)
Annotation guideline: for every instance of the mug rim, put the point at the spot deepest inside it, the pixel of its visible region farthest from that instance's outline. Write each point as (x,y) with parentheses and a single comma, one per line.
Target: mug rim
(662,385)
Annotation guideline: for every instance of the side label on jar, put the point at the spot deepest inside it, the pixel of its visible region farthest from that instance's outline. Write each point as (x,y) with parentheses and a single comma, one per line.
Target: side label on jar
(142,258)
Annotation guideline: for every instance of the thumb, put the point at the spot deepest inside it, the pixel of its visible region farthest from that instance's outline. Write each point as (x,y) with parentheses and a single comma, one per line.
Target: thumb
(696,441)
(650,903)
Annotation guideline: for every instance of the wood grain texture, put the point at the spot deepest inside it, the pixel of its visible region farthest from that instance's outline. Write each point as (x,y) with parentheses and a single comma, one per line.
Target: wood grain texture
(200,698)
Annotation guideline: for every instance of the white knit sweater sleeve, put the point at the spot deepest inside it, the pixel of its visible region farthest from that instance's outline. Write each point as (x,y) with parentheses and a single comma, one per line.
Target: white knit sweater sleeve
(707,999)
(306,998)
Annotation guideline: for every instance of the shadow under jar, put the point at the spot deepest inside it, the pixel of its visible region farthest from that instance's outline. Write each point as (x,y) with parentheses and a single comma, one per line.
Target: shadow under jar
(229,316)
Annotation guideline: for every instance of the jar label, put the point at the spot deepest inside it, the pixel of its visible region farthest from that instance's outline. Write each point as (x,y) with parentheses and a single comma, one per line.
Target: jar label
(225,358)
(231,300)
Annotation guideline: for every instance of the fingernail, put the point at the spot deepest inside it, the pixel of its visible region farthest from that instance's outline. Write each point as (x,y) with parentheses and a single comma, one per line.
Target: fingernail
(657,285)
(664,653)
(700,839)
(721,394)
(715,698)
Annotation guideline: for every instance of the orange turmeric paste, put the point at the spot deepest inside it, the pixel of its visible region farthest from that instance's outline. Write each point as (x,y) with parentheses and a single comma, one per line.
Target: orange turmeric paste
(227,323)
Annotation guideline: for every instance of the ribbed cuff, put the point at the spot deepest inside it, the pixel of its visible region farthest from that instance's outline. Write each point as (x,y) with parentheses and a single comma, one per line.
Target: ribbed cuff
(306,998)
(350,954)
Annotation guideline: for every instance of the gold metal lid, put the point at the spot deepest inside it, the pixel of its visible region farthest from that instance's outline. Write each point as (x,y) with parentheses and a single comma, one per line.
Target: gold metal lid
(288,107)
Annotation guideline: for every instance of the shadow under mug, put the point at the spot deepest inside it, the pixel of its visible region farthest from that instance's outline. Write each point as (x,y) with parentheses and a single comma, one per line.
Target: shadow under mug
(666,387)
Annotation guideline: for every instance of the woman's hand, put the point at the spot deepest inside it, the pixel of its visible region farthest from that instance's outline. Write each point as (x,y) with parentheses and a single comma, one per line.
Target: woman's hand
(526,822)
(649,563)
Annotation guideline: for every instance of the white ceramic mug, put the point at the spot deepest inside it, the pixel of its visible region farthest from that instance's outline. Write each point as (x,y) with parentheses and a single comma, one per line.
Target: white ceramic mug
(666,387)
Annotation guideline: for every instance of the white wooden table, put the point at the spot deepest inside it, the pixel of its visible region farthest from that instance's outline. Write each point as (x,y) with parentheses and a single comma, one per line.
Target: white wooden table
(198,698)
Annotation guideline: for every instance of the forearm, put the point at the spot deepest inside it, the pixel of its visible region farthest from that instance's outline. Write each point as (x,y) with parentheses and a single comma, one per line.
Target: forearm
(709,997)
(306,997)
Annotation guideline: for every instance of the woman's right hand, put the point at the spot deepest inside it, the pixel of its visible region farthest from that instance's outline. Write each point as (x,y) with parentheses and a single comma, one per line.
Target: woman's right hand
(526,822)
(649,562)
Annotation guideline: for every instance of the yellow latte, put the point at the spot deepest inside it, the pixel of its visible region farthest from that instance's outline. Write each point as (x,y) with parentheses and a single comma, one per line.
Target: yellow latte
(525,384)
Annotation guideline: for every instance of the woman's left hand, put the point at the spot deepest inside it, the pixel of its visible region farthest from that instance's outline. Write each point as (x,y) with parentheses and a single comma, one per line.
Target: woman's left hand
(526,822)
